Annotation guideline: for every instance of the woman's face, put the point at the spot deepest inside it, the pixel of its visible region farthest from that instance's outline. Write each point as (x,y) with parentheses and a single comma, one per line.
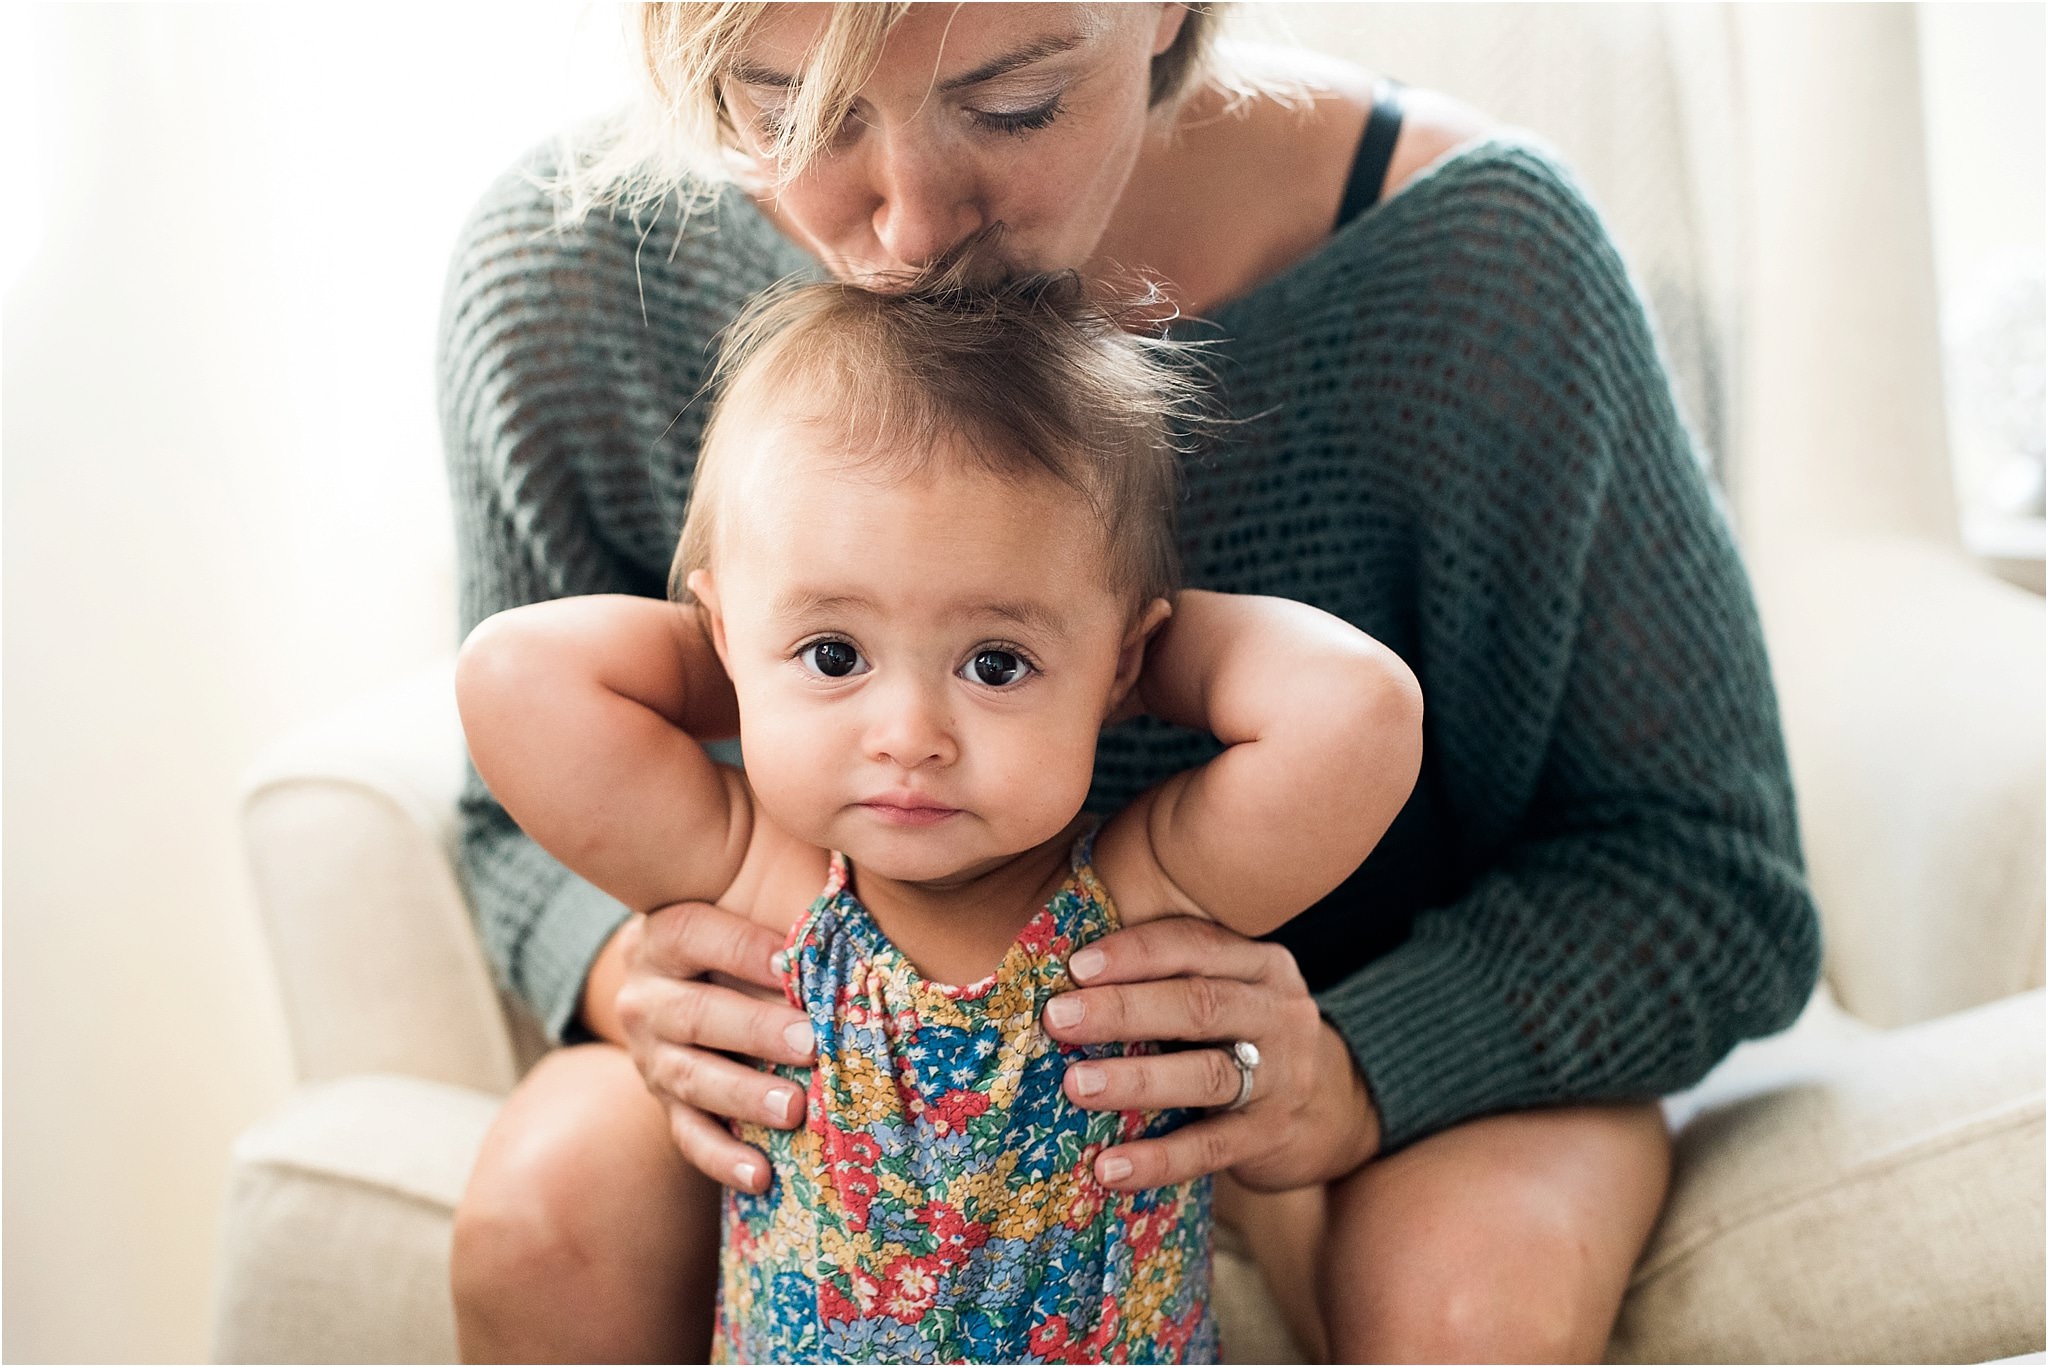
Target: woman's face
(1026,115)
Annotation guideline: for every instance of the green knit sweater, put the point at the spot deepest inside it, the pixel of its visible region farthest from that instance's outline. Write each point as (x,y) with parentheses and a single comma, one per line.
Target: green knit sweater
(1457,434)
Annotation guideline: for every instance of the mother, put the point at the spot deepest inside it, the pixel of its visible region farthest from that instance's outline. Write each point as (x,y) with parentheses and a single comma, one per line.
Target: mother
(1455,432)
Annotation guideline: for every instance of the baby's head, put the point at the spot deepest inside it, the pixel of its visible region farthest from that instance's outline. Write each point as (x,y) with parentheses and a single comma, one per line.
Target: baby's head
(931,531)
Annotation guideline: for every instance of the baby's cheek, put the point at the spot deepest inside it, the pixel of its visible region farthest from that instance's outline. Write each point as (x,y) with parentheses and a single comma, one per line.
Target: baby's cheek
(1052,781)
(787,775)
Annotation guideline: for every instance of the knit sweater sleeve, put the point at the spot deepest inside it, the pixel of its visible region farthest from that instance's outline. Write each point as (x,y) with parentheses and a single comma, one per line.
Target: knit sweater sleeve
(567,366)
(1600,708)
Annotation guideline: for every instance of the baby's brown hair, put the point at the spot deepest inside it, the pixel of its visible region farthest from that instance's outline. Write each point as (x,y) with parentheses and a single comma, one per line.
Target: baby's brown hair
(1032,375)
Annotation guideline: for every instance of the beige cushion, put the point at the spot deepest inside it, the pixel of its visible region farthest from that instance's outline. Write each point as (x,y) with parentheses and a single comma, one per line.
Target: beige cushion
(1852,1195)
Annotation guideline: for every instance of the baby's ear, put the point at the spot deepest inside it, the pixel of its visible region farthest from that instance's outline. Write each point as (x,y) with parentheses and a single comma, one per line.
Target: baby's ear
(1130,659)
(705,592)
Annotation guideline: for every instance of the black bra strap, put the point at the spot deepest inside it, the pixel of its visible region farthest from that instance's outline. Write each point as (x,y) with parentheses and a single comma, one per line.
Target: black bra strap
(1375,153)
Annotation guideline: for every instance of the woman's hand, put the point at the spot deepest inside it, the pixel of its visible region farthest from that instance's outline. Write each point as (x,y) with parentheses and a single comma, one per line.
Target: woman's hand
(683,988)
(1178,978)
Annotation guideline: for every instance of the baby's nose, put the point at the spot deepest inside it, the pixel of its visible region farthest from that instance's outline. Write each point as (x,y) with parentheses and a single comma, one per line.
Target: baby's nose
(912,728)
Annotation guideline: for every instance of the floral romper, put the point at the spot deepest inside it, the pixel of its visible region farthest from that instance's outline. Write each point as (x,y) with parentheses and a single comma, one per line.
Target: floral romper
(939,1203)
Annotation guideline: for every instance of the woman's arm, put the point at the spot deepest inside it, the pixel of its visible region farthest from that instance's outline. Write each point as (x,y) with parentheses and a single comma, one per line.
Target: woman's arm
(584,716)
(1323,733)
(1622,896)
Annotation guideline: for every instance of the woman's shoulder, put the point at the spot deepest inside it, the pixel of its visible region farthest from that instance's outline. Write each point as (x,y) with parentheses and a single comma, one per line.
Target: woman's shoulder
(1311,100)
(1469,206)
(1254,195)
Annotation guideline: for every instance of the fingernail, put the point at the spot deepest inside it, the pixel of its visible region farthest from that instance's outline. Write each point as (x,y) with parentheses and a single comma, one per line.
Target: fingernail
(1088,1081)
(745,1174)
(1113,1169)
(801,1038)
(1086,964)
(1063,1011)
(783,1100)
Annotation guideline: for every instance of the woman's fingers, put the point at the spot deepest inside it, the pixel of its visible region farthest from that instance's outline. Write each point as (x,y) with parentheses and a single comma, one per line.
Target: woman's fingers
(711,1149)
(1308,1118)
(1157,1082)
(1212,1145)
(724,1087)
(1169,1009)
(689,939)
(1177,946)
(681,1027)
(709,1016)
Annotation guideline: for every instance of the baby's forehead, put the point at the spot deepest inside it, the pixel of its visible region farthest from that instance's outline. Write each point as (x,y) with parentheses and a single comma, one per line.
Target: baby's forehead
(810,433)
(800,486)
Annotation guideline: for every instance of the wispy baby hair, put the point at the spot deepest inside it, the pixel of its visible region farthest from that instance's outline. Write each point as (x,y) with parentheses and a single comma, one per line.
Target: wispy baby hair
(1027,376)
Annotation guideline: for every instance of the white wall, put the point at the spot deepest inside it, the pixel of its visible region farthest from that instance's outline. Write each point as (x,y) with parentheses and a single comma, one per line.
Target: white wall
(223,513)
(1986,104)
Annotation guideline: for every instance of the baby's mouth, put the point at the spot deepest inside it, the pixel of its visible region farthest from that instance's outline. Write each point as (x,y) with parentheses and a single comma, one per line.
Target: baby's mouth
(908,809)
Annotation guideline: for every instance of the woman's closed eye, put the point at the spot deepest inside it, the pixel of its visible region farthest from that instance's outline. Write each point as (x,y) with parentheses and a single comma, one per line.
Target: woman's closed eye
(1019,121)
(771,120)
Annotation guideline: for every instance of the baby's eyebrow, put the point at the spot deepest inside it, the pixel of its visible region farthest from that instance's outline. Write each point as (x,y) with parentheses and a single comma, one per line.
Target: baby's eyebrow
(1031,616)
(810,603)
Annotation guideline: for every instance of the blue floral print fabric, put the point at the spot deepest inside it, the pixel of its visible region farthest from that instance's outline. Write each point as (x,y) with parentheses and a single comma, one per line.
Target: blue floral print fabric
(939,1202)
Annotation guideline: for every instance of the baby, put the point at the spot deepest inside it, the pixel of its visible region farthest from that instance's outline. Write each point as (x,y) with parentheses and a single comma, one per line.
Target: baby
(931,546)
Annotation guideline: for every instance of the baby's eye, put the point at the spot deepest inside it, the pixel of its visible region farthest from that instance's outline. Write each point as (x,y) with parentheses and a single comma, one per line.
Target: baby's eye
(998,668)
(832,659)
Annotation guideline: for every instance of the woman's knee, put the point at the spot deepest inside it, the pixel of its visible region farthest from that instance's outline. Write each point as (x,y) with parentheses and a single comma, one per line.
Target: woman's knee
(1478,1291)
(1506,1240)
(537,1217)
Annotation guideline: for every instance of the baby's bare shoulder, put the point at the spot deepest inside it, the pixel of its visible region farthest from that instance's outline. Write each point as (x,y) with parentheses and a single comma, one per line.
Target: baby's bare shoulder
(779,875)
(1127,861)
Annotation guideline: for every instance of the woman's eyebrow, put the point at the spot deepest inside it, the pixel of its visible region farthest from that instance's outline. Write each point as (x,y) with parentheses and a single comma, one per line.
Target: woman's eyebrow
(748,73)
(752,73)
(1035,51)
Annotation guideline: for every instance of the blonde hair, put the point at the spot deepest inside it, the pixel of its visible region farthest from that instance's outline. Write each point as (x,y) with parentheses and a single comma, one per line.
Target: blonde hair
(677,137)
(1033,376)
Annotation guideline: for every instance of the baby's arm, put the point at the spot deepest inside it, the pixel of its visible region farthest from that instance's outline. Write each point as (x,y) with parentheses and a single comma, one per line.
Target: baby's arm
(583,716)
(1324,729)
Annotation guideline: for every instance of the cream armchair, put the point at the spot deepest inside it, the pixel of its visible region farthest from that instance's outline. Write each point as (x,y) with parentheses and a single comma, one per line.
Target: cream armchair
(1843,1192)
(1867,1186)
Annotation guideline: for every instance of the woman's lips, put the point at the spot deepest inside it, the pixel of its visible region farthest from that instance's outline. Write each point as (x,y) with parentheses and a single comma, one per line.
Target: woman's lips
(898,813)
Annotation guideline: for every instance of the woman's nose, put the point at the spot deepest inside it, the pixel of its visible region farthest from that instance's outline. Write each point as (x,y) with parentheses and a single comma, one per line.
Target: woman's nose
(926,203)
(910,728)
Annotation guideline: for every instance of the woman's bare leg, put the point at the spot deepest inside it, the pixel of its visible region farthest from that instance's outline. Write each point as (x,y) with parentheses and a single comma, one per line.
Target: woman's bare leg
(583,1236)
(1507,1239)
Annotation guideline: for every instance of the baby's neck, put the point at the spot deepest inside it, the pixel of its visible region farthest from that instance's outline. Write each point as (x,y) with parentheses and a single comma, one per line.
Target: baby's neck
(957,931)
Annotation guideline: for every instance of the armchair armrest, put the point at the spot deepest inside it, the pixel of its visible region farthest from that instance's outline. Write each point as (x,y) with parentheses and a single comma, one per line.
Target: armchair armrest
(349,824)
(337,1223)
(1846,1194)
(1912,682)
